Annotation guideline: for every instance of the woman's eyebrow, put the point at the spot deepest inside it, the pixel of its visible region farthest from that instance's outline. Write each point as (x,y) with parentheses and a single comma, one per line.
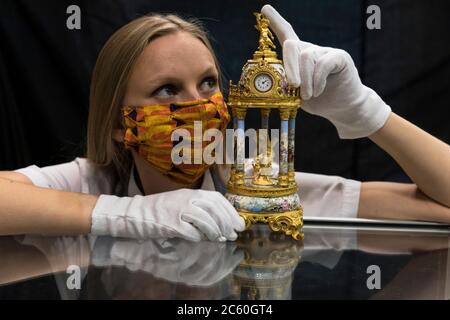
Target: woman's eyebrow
(210,70)
(158,81)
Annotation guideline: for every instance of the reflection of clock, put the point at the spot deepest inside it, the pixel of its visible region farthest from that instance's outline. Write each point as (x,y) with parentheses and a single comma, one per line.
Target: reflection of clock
(263,82)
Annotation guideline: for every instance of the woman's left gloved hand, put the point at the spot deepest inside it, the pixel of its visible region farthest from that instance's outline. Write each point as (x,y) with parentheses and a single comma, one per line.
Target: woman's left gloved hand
(329,83)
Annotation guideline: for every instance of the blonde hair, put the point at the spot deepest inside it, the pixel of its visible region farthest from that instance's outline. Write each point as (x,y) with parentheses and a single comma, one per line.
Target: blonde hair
(109,82)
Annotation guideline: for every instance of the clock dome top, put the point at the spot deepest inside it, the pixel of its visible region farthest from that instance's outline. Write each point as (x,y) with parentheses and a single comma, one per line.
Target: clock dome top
(263,82)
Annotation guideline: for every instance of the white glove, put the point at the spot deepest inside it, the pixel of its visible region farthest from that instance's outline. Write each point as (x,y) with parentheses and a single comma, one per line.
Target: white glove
(330,84)
(178,261)
(184,213)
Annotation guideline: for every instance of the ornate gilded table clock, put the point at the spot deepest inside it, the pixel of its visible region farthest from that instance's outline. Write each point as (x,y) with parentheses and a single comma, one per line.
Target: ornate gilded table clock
(266,196)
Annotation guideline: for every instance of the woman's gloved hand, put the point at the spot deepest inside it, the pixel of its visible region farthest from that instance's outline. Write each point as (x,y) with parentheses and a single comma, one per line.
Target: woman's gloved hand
(184,213)
(329,83)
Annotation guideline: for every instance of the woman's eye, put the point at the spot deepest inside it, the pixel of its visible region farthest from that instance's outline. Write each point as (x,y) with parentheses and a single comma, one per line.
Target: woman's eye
(209,84)
(165,91)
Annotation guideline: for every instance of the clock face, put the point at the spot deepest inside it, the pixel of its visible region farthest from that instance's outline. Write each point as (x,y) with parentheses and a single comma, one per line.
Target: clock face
(263,82)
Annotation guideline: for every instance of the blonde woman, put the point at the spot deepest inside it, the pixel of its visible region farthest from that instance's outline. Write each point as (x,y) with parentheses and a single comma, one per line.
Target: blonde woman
(158,65)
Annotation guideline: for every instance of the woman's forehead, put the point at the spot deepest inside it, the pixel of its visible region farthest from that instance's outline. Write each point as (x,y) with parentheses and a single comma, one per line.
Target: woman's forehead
(178,53)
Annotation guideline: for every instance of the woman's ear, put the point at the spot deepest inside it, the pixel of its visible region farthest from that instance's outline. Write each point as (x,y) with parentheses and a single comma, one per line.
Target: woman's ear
(118,135)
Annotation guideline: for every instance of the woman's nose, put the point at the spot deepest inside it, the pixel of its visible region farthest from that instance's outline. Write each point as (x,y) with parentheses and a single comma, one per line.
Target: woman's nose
(191,94)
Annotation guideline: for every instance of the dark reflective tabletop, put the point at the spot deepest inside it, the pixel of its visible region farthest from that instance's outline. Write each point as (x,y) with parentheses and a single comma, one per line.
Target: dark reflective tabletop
(333,262)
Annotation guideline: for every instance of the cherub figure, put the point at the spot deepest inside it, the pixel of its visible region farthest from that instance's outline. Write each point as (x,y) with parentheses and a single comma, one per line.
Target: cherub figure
(262,171)
(266,36)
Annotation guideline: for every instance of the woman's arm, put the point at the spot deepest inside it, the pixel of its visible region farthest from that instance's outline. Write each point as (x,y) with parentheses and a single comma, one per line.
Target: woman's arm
(424,158)
(389,200)
(194,215)
(27,209)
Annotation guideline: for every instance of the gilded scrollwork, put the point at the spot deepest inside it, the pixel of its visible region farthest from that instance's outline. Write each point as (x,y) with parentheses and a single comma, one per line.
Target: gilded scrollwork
(290,223)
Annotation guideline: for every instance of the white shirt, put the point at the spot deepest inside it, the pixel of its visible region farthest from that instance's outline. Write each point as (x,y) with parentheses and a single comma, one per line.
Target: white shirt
(320,195)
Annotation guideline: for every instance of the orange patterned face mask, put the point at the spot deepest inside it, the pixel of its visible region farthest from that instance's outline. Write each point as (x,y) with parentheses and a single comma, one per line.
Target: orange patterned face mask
(149,131)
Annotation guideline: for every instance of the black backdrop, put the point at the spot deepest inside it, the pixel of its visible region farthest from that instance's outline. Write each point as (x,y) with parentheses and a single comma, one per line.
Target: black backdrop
(45,70)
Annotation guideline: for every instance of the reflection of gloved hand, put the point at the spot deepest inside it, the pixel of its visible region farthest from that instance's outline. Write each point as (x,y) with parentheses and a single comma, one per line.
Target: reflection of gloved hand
(330,84)
(193,263)
(184,213)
